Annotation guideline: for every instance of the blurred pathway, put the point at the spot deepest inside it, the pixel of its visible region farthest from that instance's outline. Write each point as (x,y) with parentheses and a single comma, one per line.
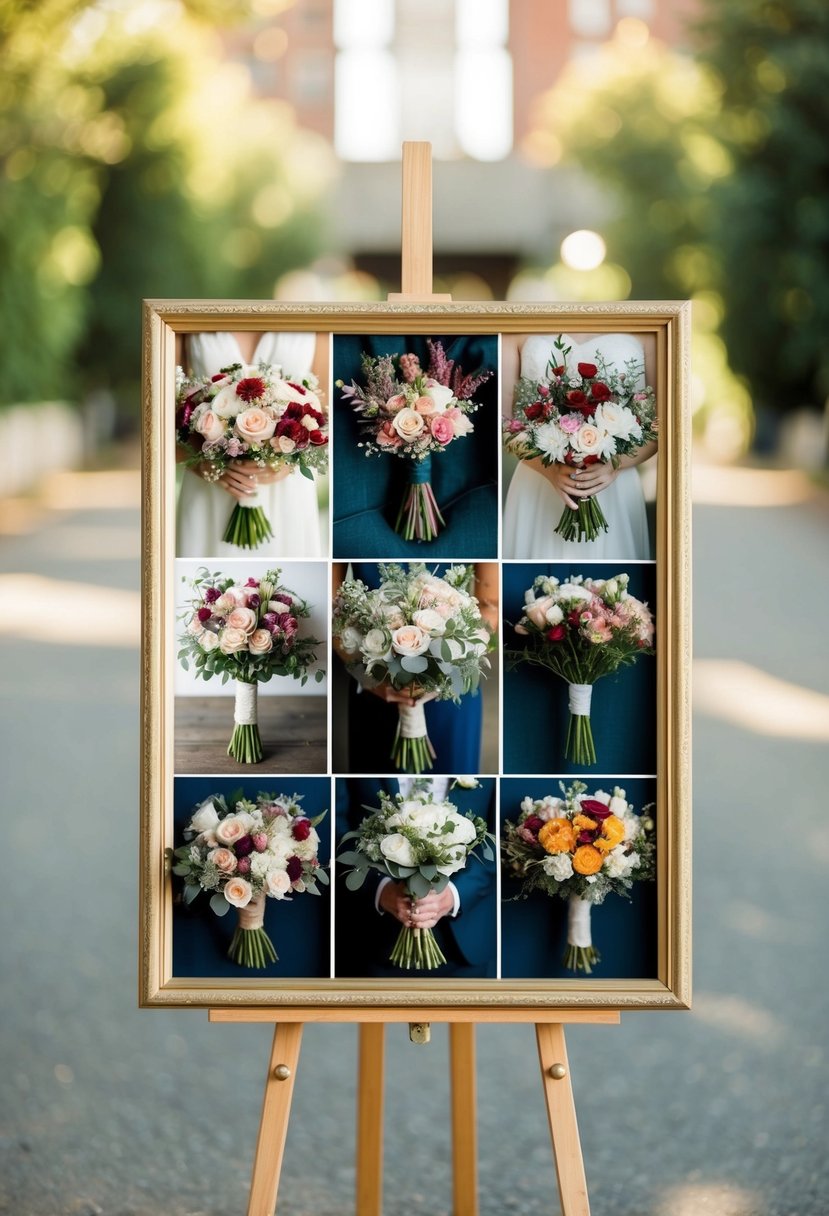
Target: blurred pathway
(106,1109)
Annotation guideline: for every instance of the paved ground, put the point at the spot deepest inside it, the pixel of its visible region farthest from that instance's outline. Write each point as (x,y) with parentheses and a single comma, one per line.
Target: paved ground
(106,1109)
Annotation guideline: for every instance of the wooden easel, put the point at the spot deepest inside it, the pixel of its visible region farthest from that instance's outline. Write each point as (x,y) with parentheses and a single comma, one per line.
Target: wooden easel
(288,1023)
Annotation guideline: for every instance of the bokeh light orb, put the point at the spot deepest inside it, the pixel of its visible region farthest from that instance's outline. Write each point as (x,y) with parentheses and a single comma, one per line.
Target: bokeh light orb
(583,250)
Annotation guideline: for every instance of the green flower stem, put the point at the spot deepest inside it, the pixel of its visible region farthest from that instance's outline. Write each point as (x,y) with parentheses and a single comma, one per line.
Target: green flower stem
(581,958)
(579,746)
(252,948)
(247,527)
(412,755)
(246,744)
(419,517)
(585,523)
(416,950)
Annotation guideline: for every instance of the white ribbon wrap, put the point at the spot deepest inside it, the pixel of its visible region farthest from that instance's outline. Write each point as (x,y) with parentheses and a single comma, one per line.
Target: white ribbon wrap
(412,721)
(578,922)
(244,710)
(580,696)
(252,916)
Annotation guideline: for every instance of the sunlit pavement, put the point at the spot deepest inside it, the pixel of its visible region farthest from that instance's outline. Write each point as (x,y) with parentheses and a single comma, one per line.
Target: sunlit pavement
(719,1112)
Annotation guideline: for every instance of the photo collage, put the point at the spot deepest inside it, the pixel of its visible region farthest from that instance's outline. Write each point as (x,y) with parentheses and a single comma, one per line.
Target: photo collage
(415,691)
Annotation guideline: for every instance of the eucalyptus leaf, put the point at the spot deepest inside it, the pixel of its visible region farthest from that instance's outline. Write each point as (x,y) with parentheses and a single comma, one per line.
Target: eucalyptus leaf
(219,904)
(350,858)
(355,879)
(190,893)
(415,663)
(418,885)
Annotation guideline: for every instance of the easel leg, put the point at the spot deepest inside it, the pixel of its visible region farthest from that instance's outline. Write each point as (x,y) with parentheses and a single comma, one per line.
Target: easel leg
(273,1127)
(561,1110)
(370,1119)
(464,1129)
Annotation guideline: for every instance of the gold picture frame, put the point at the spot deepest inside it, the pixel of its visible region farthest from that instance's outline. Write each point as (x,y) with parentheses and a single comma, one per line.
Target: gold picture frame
(669,324)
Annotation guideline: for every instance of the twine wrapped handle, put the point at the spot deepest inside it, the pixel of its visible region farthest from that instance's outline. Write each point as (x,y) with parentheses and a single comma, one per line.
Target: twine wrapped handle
(252,916)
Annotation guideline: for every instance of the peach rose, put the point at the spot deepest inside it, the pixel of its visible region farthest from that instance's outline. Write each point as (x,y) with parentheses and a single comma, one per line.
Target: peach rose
(410,640)
(387,437)
(233,828)
(238,892)
(408,424)
(255,425)
(210,425)
(260,642)
(395,404)
(223,860)
(242,618)
(587,440)
(232,641)
(283,444)
(426,406)
(536,612)
(278,883)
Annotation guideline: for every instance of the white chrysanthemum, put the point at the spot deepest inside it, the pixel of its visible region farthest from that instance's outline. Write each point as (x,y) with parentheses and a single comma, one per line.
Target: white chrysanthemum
(558,866)
(551,440)
(306,850)
(619,864)
(260,863)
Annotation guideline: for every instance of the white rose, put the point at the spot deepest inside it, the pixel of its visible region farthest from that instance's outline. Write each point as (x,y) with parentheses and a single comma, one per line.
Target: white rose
(554,615)
(470,783)
(406,809)
(351,639)
(209,425)
(440,394)
(376,644)
(430,620)
(278,883)
(396,848)
(408,423)
(618,806)
(283,444)
(458,855)
(226,403)
(427,819)
(238,892)
(587,439)
(572,591)
(280,848)
(463,829)
(254,425)
(409,640)
(205,818)
(208,641)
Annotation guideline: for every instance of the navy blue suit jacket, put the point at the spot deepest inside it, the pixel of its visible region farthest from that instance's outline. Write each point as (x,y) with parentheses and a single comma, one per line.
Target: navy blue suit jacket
(364,939)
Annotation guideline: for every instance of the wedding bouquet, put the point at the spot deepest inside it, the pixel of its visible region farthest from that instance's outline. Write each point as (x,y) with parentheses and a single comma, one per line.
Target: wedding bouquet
(577,420)
(581,630)
(581,848)
(251,413)
(242,852)
(248,633)
(418,633)
(420,842)
(414,414)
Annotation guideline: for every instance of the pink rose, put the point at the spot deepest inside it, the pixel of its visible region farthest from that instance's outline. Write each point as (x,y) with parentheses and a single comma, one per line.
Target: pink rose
(462,424)
(223,860)
(442,429)
(210,426)
(233,641)
(242,618)
(260,642)
(537,612)
(570,423)
(395,404)
(255,425)
(387,437)
(410,640)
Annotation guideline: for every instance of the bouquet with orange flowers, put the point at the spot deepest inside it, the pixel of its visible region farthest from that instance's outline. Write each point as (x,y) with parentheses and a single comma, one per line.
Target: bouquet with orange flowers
(580,847)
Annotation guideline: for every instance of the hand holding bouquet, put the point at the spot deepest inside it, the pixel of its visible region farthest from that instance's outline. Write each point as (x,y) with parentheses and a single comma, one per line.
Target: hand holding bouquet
(577,418)
(580,847)
(419,634)
(248,632)
(420,842)
(581,630)
(253,414)
(414,414)
(243,853)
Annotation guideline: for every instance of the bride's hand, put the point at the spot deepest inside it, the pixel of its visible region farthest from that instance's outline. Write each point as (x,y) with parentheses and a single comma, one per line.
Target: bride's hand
(386,693)
(267,476)
(239,480)
(571,483)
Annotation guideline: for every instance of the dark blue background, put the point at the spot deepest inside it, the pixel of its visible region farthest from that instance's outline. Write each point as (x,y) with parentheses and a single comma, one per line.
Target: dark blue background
(368,491)
(299,930)
(623,709)
(534,930)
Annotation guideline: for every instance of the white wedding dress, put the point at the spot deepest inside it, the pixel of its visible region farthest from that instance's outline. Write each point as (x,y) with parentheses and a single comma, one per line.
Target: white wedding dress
(533,508)
(290,504)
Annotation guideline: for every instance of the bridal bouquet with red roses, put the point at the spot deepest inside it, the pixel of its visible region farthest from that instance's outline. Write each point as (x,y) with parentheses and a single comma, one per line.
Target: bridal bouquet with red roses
(580,419)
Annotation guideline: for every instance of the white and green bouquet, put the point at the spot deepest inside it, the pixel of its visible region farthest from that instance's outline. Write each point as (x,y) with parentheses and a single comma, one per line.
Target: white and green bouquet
(419,633)
(421,842)
(241,852)
(248,632)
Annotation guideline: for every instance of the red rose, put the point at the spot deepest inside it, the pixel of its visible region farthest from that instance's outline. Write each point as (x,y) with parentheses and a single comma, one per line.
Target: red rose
(533,824)
(318,438)
(599,391)
(301,829)
(597,809)
(576,397)
(587,370)
(559,371)
(535,410)
(293,430)
(557,634)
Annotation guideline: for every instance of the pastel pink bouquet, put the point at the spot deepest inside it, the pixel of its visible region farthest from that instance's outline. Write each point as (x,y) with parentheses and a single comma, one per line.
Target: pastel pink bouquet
(579,417)
(408,412)
(244,852)
(248,632)
(581,630)
(255,414)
